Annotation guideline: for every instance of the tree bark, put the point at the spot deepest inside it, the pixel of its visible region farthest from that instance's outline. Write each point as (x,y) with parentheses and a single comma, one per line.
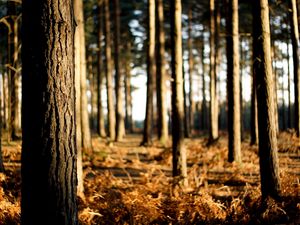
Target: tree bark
(49,145)
(120,125)
(233,83)
(296,56)
(268,158)
(204,102)
(100,117)
(128,97)
(213,116)
(1,158)
(179,150)
(161,75)
(109,78)
(151,72)
(92,89)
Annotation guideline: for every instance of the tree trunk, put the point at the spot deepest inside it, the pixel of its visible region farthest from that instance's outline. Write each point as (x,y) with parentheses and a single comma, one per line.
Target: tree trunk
(204,104)
(191,67)
(49,144)
(161,75)
(213,116)
(296,55)
(5,99)
(179,150)
(151,73)
(233,83)
(100,117)
(120,125)
(128,97)
(109,78)
(92,88)
(290,114)
(185,107)
(274,57)
(268,158)
(1,159)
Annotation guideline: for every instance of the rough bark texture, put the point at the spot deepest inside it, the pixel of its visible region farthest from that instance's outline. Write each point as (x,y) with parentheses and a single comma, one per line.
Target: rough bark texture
(151,73)
(120,125)
(268,158)
(179,150)
(213,116)
(85,128)
(233,83)
(100,117)
(296,61)
(161,74)
(191,67)
(49,144)
(109,79)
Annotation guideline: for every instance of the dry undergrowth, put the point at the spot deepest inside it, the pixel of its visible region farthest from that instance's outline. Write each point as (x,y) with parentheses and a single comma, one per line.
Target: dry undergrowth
(128,184)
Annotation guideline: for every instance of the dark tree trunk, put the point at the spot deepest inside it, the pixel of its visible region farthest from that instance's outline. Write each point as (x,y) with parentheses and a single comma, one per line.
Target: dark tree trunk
(185,108)
(204,102)
(233,83)
(151,73)
(120,125)
(49,145)
(179,151)
(162,123)
(100,116)
(109,79)
(268,158)
(290,114)
(296,56)
(127,84)
(1,158)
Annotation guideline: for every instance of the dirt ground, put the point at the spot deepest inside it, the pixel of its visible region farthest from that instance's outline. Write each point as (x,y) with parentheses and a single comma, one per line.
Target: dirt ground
(129,184)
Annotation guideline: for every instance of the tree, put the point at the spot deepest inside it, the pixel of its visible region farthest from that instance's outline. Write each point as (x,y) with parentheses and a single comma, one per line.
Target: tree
(268,158)
(178,148)
(296,55)
(151,72)
(233,83)
(49,142)
(1,158)
(213,116)
(161,74)
(100,118)
(120,126)
(108,72)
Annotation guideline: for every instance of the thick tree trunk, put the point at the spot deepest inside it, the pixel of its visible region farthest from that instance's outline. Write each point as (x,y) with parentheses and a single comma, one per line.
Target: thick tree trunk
(161,75)
(120,125)
(179,150)
(109,79)
(100,117)
(296,56)
(151,73)
(233,83)
(191,67)
(268,158)
(213,116)
(49,144)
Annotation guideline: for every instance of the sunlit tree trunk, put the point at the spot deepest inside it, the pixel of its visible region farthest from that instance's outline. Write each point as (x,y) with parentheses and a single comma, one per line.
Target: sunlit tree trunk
(151,73)
(191,67)
(179,150)
(296,55)
(49,151)
(213,116)
(100,116)
(161,74)
(109,79)
(120,125)
(233,83)
(268,158)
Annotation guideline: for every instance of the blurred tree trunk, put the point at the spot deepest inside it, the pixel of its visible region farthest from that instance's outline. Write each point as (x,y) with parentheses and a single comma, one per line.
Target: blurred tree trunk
(179,150)
(49,151)
(100,116)
(191,67)
(151,73)
(1,158)
(161,75)
(233,83)
(185,107)
(204,102)
(92,88)
(109,79)
(13,75)
(127,84)
(120,125)
(254,116)
(274,59)
(213,116)
(268,158)
(4,93)
(241,75)
(290,113)
(296,55)
(283,103)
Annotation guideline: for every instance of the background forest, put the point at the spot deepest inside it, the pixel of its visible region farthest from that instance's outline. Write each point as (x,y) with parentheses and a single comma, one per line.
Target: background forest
(149,112)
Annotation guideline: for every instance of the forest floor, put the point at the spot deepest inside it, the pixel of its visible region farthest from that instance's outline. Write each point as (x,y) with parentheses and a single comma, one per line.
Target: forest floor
(129,184)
